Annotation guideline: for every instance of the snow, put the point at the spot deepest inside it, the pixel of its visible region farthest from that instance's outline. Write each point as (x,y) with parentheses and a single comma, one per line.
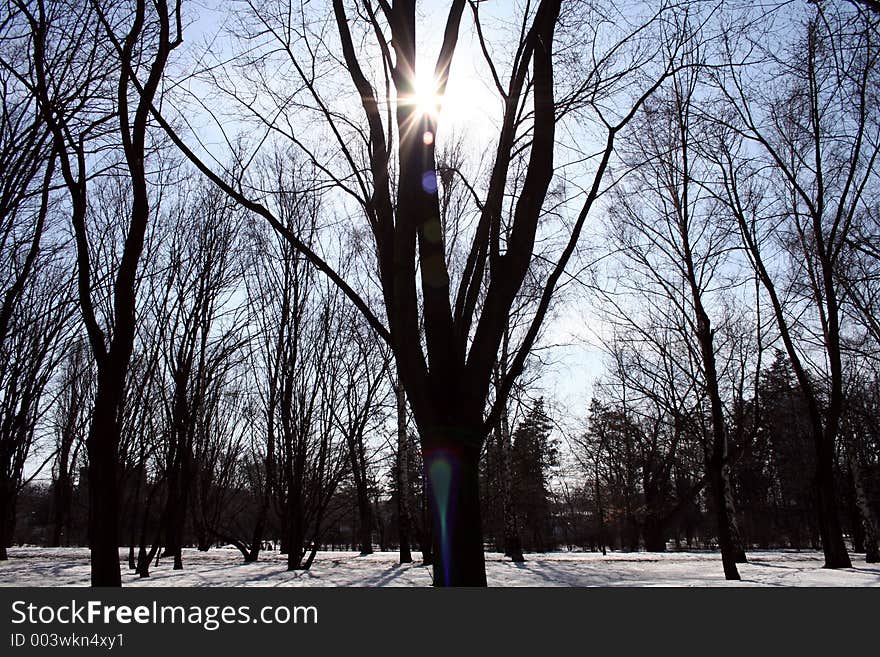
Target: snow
(34,566)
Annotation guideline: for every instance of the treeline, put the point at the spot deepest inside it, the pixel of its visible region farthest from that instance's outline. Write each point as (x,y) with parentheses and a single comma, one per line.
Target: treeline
(647,487)
(633,481)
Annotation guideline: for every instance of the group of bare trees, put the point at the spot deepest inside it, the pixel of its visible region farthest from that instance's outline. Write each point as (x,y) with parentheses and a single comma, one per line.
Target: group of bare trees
(753,173)
(243,268)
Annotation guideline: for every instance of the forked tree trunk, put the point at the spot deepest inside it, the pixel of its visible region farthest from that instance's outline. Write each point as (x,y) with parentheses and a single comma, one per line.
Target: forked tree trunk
(251,555)
(145,557)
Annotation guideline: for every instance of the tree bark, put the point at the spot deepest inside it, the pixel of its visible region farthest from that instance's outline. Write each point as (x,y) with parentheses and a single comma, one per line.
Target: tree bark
(102,445)
(452,472)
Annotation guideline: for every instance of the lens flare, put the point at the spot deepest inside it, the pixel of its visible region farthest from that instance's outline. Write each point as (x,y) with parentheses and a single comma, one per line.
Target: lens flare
(440,474)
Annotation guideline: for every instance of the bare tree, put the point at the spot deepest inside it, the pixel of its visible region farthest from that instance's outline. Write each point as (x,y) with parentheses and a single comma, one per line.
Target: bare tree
(201,337)
(72,419)
(27,165)
(667,228)
(362,377)
(29,356)
(384,164)
(297,345)
(797,161)
(82,64)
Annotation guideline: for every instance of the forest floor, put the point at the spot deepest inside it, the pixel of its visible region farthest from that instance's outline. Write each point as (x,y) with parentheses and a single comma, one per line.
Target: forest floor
(34,566)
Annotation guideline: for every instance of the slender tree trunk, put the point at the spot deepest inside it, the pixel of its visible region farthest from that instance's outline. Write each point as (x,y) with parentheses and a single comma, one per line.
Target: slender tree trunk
(61,494)
(145,557)
(257,539)
(725,539)
(600,513)
(260,525)
(180,519)
(284,539)
(512,541)
(403,518)
(736,540)
(296,535)
(719,478)
(365,524)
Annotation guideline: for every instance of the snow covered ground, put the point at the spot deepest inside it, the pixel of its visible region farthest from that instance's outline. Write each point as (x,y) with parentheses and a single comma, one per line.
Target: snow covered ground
(32,566)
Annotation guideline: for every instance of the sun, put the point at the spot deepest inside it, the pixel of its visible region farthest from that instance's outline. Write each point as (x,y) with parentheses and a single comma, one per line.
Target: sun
(425,97)
(465,103)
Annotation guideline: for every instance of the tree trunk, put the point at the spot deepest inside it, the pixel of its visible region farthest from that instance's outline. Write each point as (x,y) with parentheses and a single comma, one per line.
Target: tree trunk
(253,554)
(654,530)
(830,531)
(736,540)
(600,513)
(180,520)
(719,486)
(296,535)
(6,512)
(426,536)
(102,444)
(145,557)
(365,517)
(403,519)
(452,472)
(172,541)
(717,458)
(61,494)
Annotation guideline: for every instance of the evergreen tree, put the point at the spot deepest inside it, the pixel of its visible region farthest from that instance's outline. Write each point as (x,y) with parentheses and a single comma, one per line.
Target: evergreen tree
(534,454)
